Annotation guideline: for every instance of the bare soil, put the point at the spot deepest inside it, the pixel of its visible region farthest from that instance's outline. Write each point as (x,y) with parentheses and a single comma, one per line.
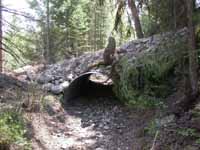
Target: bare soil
(89,124)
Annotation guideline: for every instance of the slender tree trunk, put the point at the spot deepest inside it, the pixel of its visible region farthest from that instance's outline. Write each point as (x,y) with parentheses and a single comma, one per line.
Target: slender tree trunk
(1,48)
(193,55)
(136,19)
(95,28)
(174,13)
(47,57)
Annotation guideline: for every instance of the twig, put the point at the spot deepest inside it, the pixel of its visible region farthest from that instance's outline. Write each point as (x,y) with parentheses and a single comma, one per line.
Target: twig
(18,13)
(154,141)
(8,50)
(14,27)
(17,34)
(13,44)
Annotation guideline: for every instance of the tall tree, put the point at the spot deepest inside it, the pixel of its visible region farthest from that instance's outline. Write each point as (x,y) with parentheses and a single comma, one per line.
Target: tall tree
(1,49)
(46,56)
(135,17)
(80,26)
(193,55)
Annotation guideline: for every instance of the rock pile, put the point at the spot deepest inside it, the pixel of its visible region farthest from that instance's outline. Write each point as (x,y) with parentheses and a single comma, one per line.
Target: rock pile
(56,77)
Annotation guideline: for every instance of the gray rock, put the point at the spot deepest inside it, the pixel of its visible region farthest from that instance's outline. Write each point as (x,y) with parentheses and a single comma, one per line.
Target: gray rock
(166,120)
(101,125)
(56,82)
(56,89)
(70,77)
(61,80)
(64,85)
(43,79)
(31,75)
(99,148)
(106,127)
(47,86)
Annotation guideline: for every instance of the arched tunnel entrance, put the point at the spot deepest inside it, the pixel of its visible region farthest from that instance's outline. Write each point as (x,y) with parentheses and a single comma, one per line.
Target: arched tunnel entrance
(89,84)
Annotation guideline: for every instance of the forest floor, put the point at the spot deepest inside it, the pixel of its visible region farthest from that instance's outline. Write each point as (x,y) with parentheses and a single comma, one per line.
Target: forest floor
(94,124)
(98,123)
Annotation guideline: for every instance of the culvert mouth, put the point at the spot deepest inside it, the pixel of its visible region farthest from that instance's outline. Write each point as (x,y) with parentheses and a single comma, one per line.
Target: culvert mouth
(90,84)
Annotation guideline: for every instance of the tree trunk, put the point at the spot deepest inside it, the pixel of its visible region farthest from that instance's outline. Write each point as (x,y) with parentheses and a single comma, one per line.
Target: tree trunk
(47,56)
(136,19)
(1,48)
(193,55)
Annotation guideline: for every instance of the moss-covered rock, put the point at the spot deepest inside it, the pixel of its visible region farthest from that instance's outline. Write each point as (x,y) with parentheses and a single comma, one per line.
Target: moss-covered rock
(144,77)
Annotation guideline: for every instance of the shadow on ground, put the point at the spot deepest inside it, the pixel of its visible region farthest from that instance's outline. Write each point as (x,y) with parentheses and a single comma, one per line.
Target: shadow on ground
(109,125)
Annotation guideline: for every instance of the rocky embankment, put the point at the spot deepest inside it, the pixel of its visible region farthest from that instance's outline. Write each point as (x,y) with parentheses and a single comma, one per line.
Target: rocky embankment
(56,77)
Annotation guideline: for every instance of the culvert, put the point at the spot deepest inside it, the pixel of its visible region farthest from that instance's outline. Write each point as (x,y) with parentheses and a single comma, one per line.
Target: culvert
(89,84)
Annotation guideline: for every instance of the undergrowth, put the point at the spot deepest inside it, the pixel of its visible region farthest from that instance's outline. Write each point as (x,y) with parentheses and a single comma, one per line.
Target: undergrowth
(146,80)
(13,130)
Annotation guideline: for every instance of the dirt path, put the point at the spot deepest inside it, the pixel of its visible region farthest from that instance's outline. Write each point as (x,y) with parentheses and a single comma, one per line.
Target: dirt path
(95,124)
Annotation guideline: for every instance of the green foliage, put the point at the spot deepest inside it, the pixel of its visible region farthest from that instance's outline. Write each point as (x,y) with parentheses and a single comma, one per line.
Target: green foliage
(198,36)
(129,88)
(163,15)
(47,101)
(152,128)
(75,26)
(189,132)
(19,44)
(198,141)
(149,25)
(146,80)
(12,129)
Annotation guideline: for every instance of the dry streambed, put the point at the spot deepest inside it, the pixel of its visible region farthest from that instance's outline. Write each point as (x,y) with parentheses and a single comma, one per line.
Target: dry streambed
(101,124)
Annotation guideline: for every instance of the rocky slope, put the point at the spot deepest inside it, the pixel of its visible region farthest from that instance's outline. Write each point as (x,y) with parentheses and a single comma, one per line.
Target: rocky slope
(56,77)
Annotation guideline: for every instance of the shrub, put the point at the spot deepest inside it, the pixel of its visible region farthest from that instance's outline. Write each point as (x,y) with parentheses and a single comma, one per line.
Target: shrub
(148,78)
(12,129)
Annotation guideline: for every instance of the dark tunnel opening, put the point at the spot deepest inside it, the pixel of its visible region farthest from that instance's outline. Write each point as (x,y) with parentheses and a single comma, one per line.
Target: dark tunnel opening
(83,86)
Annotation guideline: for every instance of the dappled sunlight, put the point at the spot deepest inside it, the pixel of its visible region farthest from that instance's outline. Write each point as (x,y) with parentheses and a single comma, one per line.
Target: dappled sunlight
(52,133)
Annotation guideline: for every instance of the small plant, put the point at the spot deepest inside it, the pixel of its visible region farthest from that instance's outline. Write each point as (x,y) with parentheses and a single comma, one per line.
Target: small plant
(187,132)
(198,141)
(190,132)
(47,100)
(152,128)
(34,100)
(12,130)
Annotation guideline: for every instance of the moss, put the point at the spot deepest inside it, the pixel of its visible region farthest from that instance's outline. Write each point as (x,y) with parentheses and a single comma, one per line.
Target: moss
(150,77)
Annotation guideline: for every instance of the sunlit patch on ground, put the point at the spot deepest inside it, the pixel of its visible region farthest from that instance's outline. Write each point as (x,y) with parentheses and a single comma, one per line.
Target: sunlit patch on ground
(58,135)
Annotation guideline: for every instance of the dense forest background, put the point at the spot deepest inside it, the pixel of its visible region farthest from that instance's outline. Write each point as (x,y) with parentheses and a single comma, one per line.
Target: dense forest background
(62,29)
